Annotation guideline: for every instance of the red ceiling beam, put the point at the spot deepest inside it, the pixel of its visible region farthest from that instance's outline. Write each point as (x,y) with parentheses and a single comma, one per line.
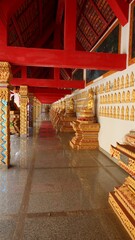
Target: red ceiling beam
(70,25)
(78,84)
(61,58)
(56,73)
(121,9)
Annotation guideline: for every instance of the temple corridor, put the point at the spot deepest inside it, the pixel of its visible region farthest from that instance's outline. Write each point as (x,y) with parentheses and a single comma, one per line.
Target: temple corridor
(53,192)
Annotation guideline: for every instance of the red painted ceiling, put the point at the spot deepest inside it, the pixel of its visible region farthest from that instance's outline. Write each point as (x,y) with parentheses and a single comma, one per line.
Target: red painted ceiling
(41,24)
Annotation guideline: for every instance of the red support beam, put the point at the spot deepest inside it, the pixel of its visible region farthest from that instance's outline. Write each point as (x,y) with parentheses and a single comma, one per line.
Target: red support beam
(63,59)
(70,25)
(56,73)
(78,84)
(121,9)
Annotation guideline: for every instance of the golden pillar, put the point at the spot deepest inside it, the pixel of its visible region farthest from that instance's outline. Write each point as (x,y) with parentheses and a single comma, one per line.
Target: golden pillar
(38,110)
(23,110)
(31,109)
(34,109)
(5,76)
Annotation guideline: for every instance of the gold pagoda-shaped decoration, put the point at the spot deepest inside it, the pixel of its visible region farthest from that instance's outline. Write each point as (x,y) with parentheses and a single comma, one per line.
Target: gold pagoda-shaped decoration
(86,129)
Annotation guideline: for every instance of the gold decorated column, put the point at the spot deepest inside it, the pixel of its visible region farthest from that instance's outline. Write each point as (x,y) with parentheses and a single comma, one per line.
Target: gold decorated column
(23,110)
(31,109)
(5,76)
(34,109)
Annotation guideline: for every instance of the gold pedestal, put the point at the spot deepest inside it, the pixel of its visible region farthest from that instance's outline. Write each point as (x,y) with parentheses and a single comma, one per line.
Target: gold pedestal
(65,123)
(86,135)
(122,200)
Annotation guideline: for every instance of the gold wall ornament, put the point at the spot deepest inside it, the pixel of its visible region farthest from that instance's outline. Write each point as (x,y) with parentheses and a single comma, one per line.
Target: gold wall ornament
(118,112)
(133,95)
(132,79)
(23,110)
(108,98)
(5,72)
(127,113)
(97,89)
(105,99)
(127,81)
(132,118)
(107,111)
(128,96)
(123,97)
(119,97)
(107,87)
(101,90)
(122,113)
(122,82)
(115,98)
(118,83)
(101,100)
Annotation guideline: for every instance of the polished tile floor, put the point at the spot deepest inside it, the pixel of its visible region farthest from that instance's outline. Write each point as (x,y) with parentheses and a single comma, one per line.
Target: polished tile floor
(52,192)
